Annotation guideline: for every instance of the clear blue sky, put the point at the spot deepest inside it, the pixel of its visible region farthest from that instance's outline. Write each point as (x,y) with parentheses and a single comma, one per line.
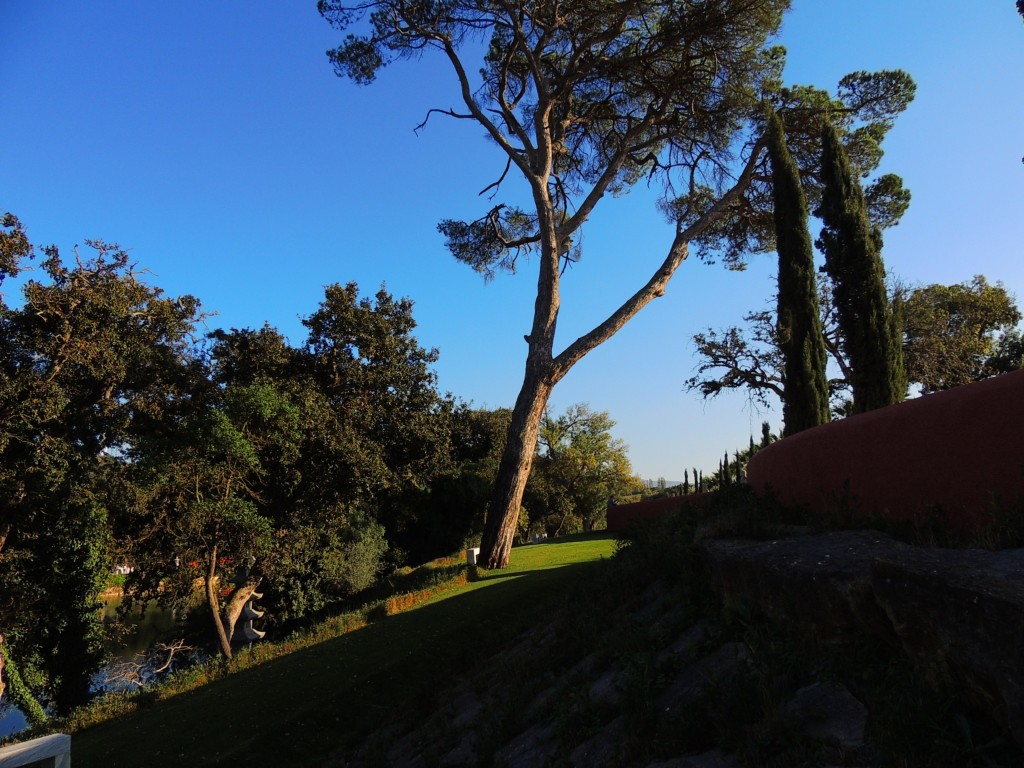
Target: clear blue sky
(213,140)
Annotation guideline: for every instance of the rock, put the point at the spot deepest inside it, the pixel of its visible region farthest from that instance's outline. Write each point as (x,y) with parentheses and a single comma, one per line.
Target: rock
(605,691)
(467,708)
(605,750)
(959,615)
(721,666)
(822,582)
(828,712)
(683,646)
(712,759)
(546,697)
(533,748)
(464,754)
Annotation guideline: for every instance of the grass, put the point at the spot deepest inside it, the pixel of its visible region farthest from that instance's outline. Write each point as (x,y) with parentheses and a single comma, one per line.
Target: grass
(320,700)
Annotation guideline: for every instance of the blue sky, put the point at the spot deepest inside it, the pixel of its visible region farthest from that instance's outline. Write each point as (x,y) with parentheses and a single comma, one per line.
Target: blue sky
(215,143)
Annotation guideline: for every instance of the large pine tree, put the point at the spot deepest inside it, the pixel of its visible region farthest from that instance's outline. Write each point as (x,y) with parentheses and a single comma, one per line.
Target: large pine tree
(853,259)
(805,396)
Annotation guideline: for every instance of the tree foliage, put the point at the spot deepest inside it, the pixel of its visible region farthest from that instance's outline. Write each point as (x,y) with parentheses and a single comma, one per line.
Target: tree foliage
(852,248)
(310,462)
(956,334)
(800,340)
(126,438)
(87,361)
(740,358)
(580,468)
(952,335)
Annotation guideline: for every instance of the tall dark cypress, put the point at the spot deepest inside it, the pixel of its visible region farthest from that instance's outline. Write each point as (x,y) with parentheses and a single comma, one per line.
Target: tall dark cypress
(853,259)
(805,396)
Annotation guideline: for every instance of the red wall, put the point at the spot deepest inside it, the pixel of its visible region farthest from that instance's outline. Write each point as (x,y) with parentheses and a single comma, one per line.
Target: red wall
(955,449)
(622,515)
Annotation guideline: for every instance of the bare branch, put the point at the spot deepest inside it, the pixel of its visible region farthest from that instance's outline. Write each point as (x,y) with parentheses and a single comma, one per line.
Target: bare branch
(496,184)
(500,139)
(655,287)
(143,667)
(449,112)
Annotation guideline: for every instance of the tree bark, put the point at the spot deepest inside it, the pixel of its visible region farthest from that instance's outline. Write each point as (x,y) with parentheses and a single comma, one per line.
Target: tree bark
(211,598)
(514,470)
(236,604)
(543,370)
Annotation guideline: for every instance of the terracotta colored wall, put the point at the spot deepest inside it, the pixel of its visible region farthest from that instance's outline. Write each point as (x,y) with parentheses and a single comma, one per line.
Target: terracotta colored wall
(955,449)
(622,515)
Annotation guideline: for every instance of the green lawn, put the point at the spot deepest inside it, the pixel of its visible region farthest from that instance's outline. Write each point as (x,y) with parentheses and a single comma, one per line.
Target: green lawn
(300,708)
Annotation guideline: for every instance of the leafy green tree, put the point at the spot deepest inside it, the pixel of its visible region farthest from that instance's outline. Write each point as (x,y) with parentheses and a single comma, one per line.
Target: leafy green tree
(315,461)
(86,362)
(197,510)
(453,513)
(954,333)
(805,395)
(384,432)
(1007,355)
(579,468)
(15,247)
(852,249)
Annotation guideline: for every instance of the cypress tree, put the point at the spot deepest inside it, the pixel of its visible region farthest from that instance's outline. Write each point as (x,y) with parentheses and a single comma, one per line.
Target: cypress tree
(853,259)
(686,481)
(805,395)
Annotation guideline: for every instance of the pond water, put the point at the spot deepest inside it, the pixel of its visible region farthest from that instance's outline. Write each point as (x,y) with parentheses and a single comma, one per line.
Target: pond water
(145,627)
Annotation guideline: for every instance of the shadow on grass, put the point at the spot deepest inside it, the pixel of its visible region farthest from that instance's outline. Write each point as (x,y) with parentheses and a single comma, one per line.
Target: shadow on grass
(301,708)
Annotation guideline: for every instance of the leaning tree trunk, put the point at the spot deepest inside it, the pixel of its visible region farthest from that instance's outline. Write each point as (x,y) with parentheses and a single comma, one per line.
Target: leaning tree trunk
(214,604)
(514,470)
(544,370)
(540,378)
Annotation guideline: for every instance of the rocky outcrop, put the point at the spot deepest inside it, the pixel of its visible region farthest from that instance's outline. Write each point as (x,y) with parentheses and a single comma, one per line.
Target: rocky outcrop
(960,616)
(957,614)
(819,582)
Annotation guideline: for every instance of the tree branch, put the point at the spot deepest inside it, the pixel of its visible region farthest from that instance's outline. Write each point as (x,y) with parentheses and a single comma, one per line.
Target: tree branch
(655,287)
(500,139)
(449,112)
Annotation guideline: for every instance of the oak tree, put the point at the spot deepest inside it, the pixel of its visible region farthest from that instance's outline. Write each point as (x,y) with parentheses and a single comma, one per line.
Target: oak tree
(87,360)
(580,467)
(956,334)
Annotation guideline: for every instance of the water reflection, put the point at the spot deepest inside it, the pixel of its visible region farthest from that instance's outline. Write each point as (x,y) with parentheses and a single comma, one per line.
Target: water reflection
(144,628)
